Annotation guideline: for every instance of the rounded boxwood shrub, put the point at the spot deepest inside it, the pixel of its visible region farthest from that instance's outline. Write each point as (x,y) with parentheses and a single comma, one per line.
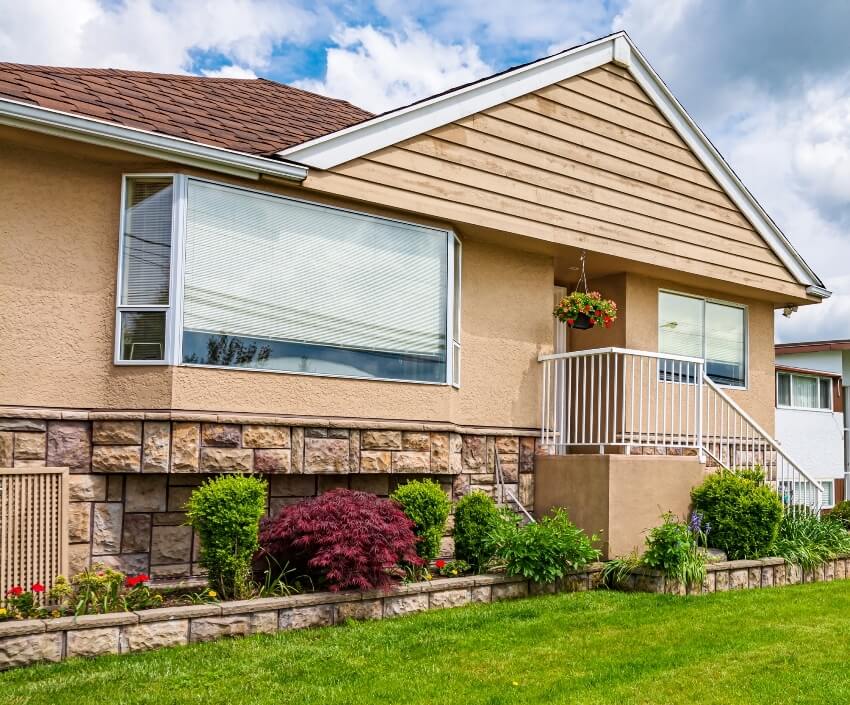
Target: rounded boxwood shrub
(425,503)
(841,513)
(741,512)
(476,515)
(342,539)
(226,513)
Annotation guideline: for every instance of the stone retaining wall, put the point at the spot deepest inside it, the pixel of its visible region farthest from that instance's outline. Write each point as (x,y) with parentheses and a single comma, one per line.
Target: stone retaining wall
(132,472)
(739,575)
(51,640)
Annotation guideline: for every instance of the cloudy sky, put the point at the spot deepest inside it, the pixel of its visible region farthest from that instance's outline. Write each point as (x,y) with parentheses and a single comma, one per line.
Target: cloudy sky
(769,82)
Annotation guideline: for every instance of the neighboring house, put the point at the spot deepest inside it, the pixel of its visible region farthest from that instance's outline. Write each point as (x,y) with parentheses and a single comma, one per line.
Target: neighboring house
(811,410)
(203,275)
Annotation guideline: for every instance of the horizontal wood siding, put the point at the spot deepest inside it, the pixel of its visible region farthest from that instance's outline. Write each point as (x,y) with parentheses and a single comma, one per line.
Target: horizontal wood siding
(589,162)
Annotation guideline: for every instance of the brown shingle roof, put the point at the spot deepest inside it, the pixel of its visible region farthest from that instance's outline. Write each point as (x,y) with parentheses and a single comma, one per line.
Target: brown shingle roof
(256,116)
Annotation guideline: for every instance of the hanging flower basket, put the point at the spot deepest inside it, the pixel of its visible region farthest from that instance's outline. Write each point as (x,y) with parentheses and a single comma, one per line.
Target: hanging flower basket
(586,309)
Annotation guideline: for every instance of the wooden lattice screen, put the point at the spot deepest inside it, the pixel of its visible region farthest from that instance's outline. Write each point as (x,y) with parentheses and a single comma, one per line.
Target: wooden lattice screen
(33,526)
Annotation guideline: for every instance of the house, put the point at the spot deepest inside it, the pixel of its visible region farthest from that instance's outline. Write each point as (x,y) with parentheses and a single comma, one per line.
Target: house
(811,410)
(204,275)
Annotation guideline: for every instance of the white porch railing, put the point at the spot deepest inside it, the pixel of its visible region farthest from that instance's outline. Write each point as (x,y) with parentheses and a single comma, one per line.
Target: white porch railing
(615,398)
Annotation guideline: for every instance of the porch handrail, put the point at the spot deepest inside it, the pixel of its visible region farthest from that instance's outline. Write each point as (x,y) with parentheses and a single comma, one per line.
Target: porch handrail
(622,351)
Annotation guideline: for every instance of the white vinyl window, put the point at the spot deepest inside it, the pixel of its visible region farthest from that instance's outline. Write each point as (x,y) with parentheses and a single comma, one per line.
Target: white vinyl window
(800,391)
(713,330)
(273,283)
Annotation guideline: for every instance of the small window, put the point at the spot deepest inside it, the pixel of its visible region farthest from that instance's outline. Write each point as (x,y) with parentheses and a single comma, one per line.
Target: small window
(798,391)
(828,496)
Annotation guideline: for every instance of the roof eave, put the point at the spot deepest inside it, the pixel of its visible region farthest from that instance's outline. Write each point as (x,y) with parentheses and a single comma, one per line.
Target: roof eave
(129,139)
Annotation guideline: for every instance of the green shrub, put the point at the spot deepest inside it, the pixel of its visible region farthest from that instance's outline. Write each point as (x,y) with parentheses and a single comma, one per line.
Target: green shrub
(673,547)
(475,516)
(541,551)
(226,512)
(425,503)
(742,511)
(808,539)
(841,513)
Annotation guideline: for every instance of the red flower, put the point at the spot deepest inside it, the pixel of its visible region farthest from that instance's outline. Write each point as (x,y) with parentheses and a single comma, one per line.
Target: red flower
(570,321)
(37,587)
(440,564)
(137,580)
(15,590)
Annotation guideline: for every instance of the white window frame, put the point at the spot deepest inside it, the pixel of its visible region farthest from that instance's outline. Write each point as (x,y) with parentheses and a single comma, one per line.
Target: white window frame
(792,405)
(174,309)
(706,300)
(828,481)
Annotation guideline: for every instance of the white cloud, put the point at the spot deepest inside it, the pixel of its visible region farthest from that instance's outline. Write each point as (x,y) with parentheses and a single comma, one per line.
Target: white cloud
(149,35)
(380,70)
(229,71)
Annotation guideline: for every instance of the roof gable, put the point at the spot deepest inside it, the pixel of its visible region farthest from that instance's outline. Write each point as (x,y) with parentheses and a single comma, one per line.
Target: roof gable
(397,126)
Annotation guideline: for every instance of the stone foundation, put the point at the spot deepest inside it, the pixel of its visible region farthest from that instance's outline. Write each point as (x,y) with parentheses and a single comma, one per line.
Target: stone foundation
(132,472)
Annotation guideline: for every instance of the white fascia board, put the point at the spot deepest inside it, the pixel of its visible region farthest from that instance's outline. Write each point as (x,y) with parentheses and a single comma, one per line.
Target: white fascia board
(394,127)
(107,134)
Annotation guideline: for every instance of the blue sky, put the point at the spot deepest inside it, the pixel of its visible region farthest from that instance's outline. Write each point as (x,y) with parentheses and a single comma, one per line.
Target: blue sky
(769,82)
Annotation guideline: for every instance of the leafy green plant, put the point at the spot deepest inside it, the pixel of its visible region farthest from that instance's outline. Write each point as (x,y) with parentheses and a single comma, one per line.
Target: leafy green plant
(674,548)
(425,503)
(99,589)
(451,569)
(808,539)
(841,513)
(475,516)
(743,512)
(23,604)
(542,551)
(616,570)
(226,513)
(600,311)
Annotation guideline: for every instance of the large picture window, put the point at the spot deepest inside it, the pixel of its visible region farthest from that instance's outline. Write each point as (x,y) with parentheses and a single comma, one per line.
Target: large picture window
(279,284)
(712,330)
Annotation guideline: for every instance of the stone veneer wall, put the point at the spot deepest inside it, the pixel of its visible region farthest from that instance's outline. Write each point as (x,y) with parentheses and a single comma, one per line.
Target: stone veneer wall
(132,472)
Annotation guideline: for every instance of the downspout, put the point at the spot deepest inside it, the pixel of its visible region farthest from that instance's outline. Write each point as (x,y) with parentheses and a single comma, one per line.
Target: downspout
(845,391)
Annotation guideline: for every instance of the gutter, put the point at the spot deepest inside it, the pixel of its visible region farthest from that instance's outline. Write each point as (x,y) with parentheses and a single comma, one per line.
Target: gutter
(818,291)
(150,144)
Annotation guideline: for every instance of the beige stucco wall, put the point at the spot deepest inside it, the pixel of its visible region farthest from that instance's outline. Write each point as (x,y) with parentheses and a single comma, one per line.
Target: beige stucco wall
(619,497)
(59,235)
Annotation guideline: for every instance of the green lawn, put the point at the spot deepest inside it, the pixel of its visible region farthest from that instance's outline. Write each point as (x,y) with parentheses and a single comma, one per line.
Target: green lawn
(760,646)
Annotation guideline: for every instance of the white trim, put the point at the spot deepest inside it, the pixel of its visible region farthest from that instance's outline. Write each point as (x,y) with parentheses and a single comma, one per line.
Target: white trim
(391,128)
(130,139)
(810,375)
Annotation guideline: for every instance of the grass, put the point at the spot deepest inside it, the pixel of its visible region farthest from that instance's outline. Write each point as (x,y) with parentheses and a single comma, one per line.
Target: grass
(756,646)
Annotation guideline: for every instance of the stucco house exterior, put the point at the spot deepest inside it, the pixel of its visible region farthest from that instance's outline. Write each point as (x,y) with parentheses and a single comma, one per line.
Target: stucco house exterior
(811,410)
(203,275)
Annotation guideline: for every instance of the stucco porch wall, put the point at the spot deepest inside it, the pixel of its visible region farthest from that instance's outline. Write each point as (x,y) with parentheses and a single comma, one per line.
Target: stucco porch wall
(618,497)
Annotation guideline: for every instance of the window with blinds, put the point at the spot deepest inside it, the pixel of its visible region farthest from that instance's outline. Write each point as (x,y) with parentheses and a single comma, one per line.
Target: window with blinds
(803,391)
(698,327)
(144,288)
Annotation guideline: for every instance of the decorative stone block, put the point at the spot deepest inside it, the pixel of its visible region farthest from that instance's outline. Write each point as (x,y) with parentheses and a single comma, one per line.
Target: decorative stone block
(86,488)
(177,498)
(223,435)
(460,486)
(325,455)
(32,648)
(136,534)
(171,544)
(128,563)
(154,635)
(526,454)
(306,617)
(316,432)
(272,460)
(7,448)
(739,579)
(507,444)
(509,591)
(793,574)
(146,493)
(721,581)
(115,488)
(92,642)
(525,493)
(210,628)
(293,486)
(482,593)
(69,445)
(326,483)
(23,425)
(78,557)
(840,569)
(439,452)
(376,484)
(754,578)
(155,444)
(265,436)
(708,583)
(577,582)
(449,598)
(829,571)
(117,433)
(415,440)
(338,433)
(264,622)
(26,463)
(79,522)
(30,446)
(359,610)
(106,530)
(378,461)
(297,441)
(227,459)
(185,447)
(779,575)
(405,604)
(510,467)
(410,461)
(116,459)
(766,577)
(380,440)
(354,451)
(674,587)
(474,452)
